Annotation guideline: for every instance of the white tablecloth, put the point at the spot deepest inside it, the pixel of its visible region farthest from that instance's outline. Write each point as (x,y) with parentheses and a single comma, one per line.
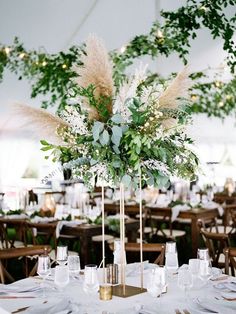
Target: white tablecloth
(169,302)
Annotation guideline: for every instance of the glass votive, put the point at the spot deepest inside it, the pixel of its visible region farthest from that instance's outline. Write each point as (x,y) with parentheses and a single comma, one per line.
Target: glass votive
(112,274)
(170,247)
(105,292)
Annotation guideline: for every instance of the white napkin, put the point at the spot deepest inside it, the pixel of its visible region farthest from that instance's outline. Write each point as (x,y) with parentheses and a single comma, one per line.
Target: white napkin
(53,306)
(177,208)
(211,205)
(20,216)
(72,223)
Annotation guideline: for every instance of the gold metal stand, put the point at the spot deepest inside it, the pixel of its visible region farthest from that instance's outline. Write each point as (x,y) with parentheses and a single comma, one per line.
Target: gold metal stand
(124,290)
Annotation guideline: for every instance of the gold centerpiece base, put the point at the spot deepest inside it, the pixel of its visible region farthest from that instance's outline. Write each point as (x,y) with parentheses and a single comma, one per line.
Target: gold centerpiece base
(125,291)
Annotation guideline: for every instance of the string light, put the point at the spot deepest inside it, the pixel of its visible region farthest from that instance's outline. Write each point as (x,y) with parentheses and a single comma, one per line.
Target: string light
(64,66)
(217,84)
(7,50)
(194,97)
(220,104)
(122,49)
(159,34)
(44,63)
(22,55)
(228,97)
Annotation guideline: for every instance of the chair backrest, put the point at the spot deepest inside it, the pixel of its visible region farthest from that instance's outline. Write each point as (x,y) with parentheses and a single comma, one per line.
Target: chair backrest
(42,233)
(18,233)
(230,260)
(164,218)
(215,242)
(23,253)
(156,250)
(229,217)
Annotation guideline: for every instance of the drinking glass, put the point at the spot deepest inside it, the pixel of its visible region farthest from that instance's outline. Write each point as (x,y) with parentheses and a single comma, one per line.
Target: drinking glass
(205,269)
(193,266)
(185,280)
(171,262)
(43,269)
(74,265)
(156,282)
(61,278)
(62,254)
(91,285)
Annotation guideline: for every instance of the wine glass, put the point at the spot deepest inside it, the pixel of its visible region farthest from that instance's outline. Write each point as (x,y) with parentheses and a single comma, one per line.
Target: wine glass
(61,278)
(185,280)
(43,269)
(62,254)
(74,265)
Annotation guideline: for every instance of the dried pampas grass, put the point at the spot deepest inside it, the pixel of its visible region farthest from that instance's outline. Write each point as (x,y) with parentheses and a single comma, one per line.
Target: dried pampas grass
(96,70)
(177,88)
(44,124)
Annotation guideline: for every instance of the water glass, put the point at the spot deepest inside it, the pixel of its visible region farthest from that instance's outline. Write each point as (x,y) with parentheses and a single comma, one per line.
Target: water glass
(185,280)
(193,266)
(91,284)
(61,278)
(74,265)
(205,272)
(171,247)
(156,282)
(62,254)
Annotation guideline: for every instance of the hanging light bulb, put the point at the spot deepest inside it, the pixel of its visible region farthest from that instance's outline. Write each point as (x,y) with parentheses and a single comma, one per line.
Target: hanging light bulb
(7,50)
(44,63)
(22,55)
(122,49)
(64,66)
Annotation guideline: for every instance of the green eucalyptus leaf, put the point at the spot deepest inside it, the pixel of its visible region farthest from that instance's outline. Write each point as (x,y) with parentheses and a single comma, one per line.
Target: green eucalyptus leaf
(116,135)
(104,138)
(117,118)
(97,129)
(126,180)
(116,149)
(93,162)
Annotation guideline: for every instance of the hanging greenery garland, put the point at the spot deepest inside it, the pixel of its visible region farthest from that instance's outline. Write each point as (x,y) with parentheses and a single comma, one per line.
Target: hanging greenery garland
(50,74)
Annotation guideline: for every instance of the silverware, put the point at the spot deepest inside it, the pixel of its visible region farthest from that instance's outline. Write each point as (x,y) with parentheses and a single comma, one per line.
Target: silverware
(22,309)
(177,311)
(186,311)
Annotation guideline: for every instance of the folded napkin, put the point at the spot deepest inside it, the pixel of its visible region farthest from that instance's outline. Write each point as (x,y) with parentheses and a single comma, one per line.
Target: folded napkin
(63,223)
(53,306)
(211,205)
(178,208)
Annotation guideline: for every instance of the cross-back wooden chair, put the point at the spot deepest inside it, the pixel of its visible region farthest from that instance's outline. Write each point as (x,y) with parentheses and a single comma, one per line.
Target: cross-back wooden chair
(21,253)
(14,232)
(156,250)
(42,233)
(216,243)
(230,260)
(160,218)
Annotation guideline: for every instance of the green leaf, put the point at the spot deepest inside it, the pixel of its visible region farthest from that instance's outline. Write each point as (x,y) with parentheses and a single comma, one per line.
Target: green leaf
(126,180)
(116,149)
(104,138)
(97,129)
(116,135)
(43,142)
(117,118)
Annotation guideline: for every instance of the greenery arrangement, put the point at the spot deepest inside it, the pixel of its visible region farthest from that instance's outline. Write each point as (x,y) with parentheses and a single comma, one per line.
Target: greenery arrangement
(51,75)
(117,135)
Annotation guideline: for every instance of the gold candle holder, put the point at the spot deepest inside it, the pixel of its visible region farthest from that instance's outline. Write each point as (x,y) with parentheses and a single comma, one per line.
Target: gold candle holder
(105,292)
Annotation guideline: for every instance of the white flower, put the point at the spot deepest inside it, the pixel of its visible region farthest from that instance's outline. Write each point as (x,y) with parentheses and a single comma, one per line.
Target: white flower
(75,119)
(153,164)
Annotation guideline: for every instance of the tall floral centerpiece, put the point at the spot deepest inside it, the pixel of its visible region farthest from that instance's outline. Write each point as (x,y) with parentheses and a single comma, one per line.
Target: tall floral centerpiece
(127,135)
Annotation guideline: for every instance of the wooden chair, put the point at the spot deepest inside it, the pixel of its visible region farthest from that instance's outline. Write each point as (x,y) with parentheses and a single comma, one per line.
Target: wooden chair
(161,218)
(230,260)
(17,253)
(42,233)
(14,231)
(152,248)
(216,243)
